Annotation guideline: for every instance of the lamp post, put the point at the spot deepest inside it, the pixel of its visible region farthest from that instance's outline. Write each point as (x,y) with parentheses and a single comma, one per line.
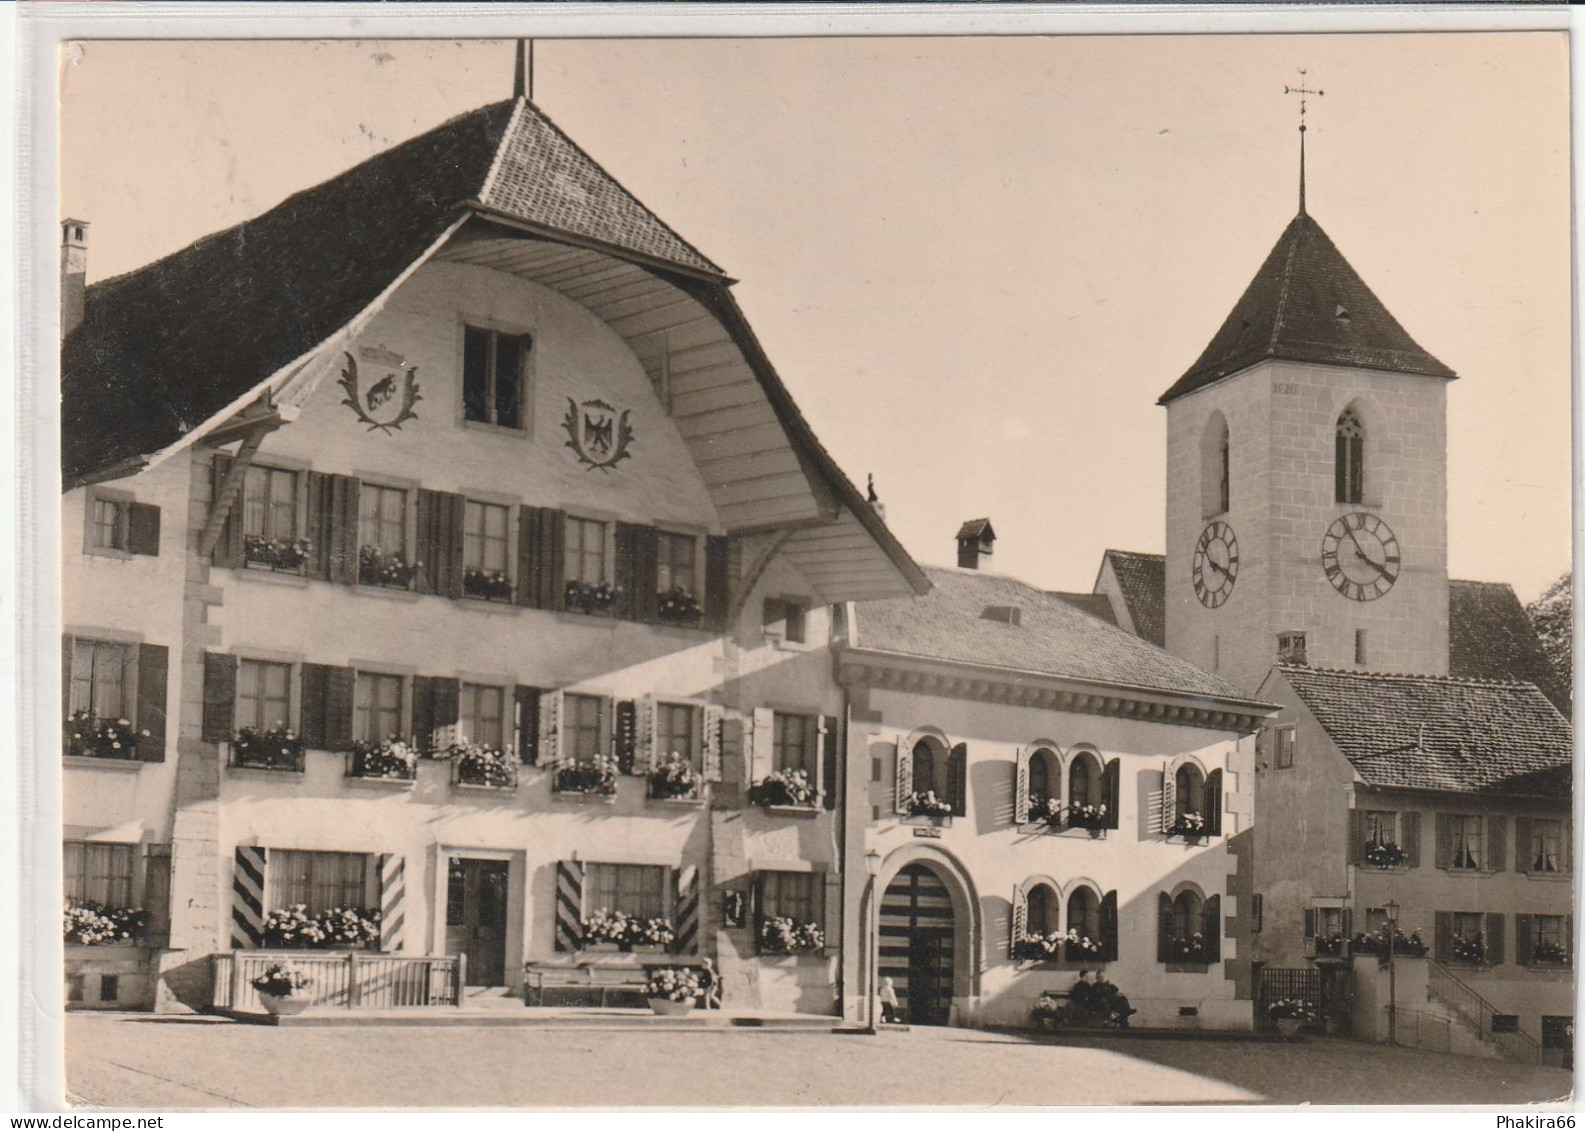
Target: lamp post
(872,864)
(1392,972)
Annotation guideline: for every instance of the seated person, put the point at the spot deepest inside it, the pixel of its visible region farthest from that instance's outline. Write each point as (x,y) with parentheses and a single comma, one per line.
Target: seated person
(1082,995)
(1111,1002)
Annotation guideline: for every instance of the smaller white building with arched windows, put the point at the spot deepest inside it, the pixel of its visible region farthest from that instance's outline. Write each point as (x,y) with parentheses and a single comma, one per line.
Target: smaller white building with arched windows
(1039,792)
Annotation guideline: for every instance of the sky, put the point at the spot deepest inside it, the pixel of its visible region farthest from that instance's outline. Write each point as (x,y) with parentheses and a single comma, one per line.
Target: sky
(975,262)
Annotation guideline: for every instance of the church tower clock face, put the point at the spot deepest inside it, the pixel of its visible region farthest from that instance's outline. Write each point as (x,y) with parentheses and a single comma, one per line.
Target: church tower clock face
(1215,564)
(1360,556)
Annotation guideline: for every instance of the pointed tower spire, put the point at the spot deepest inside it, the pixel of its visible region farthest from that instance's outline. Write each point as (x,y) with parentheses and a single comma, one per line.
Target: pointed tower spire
(1303,92)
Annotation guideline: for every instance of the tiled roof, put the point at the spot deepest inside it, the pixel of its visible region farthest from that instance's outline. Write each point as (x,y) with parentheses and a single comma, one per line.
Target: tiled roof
(1052,638)
(1440,733)
(1490,637)
(1143,578)
(975,527)
(164,348)
(1096,604)
(1307,303)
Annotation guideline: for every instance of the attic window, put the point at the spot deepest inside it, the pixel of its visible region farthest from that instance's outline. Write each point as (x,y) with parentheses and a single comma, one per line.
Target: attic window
(1003,614)
(1342,314)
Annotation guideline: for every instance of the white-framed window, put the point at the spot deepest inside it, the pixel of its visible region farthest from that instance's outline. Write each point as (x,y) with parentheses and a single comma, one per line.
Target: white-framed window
(377,706)
(321,881)
(799,896)
(264,694)
(638,890)
(485,551)
(678,730)
(585,721)
(382,536)
(1549,940)
(481,713)
(108,523)
(99,873)
(585,550)
(677,563)
(1548,847)
(102,678)
(494,377)
(793,742)
(269,504)
(1467,842)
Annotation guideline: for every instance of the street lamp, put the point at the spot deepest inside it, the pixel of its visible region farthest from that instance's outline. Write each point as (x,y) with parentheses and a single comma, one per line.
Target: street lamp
(872,864)
(1392,972)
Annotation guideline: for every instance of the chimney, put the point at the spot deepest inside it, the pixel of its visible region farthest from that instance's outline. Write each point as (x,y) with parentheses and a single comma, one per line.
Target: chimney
(74,272)
(975,539)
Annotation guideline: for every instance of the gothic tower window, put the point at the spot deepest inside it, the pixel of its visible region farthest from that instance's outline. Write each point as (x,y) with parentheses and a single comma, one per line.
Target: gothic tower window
(1215,467)
(1350,458)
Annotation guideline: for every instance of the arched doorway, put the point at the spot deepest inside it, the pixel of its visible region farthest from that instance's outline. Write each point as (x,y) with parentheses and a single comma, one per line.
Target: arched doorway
(918,943)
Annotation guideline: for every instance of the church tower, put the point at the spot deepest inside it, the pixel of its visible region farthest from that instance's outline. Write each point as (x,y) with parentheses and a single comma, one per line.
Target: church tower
(1307,480)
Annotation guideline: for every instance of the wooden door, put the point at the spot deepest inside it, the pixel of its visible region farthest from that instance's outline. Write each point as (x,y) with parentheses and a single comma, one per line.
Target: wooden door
(917,944)
(476,917)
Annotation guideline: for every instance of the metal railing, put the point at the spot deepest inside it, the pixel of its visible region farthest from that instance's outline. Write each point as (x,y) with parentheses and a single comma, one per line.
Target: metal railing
(1421,1030)
(1515,1043)
(350,980)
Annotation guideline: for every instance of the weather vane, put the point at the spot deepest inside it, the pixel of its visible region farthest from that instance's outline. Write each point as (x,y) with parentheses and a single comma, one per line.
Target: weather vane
(1304,93)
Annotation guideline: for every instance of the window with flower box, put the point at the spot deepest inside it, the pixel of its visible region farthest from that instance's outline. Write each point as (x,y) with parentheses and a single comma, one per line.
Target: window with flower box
(382,537)
(794,743)
(791,912)
(635,890)
(1544,845)
(676,769)
(271,533)
(484,551)
(1327,931)
(932,779)
(377,707)
(1469,938)
(1384,838)
(1191,802)
(588,588)
(99,873)
(102,700)
(584,721)
(482,715)
(1544,940)
(676,578)
(264,700)
(320,881)
(1189,929)
(1471,843)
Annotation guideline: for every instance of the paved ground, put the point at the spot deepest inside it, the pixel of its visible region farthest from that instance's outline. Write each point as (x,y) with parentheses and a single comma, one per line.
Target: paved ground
(123,1061)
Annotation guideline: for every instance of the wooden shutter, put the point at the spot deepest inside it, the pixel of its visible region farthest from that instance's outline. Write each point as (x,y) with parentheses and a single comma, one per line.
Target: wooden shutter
(627,736)
(435,712)
(339,689)
(687,921)
(66,678)
(1163,927)
(734,756)
(637,572)
(526,700)
(1018,920)
(149,712)
(1524,939)
(333,527)
(1495,922)
(250,866)
(542,558)
(1523,844)
(1309,932)
(712,719)
(1020,786)
(550,726)
(1411,835)
(1211,920)
(905,776)
(440,542)
(220,697)
(717,582)
(312,725)
(1109,926)
(1348,923)
(761,744)
(1213,803)
(1112,791)
(1169,799)
(832,919)
(569,906)
(1444,936)
(830,761)
(228,546)
(393,901)
(1257,912)
(648,745)
(1497,843)
(143,529)
(1356,836)
(1444,840)
(958,779)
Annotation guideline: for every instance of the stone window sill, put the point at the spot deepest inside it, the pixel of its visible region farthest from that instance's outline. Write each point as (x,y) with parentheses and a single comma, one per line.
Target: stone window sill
(469,787)
(390,783)
(384,592)
(676,802)
(803,812)
(1550,877)
(266,576)
(124,765)
(485,605)
(262,773)
(576,798)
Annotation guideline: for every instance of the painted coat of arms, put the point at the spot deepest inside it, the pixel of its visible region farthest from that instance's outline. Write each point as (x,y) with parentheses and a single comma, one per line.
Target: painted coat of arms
(597,433)
(384,391)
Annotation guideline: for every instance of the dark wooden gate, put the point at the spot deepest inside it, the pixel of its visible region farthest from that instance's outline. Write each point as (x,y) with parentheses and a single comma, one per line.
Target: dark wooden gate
(1277,983)
(917,945)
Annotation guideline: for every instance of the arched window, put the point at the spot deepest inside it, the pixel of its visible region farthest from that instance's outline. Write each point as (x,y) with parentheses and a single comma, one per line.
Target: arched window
(1042,915)
(1039,782)
(1190,786)
(1350,457)
(1084,915)
(1216,494)
(1084,781)
(925,767)
(1185,917)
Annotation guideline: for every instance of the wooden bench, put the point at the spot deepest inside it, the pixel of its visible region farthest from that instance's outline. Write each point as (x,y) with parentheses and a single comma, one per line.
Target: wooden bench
(587,985)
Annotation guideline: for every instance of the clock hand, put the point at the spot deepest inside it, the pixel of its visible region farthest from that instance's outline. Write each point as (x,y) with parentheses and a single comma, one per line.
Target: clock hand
(1359,552)
(1218,566)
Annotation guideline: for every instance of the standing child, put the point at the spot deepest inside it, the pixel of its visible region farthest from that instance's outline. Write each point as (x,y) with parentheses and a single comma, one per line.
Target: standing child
(888,1001)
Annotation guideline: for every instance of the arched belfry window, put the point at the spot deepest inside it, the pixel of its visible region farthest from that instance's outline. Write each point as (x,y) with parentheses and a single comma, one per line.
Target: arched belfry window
(1350,458)
(1216,494)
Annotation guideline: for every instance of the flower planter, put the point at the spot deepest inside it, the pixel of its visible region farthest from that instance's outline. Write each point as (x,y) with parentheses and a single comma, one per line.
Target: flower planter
(289,1006)
(665,1007)
(1289,1026)
(602,948)
(648,948)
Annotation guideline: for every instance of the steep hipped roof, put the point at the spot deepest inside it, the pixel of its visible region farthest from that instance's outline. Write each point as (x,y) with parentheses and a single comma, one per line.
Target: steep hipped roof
(1143,580)
(1440,733)
(1051,638)
(1490,637)
(1307,303)
(165,347)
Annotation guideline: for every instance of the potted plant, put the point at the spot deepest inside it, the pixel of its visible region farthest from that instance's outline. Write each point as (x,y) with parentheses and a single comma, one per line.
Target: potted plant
(588,597)
(287,554)
(1550,954)
(605,930)
(93,924)
(674,778)
(1190,949)
(1470,948)
(1329,946)
(781,934)
(785,788)
(595,778)
(392,760)
(88,737)
(1189,824)
(277,748)
(1038,947)
(672,990)
(387,570)
(1045,811)
(1384,854)
(1080,947)
(1084,816)
(678,606)
(648,934)
(486,584)
(485,766)
(927,804)
(1290,1014)
(279,989)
